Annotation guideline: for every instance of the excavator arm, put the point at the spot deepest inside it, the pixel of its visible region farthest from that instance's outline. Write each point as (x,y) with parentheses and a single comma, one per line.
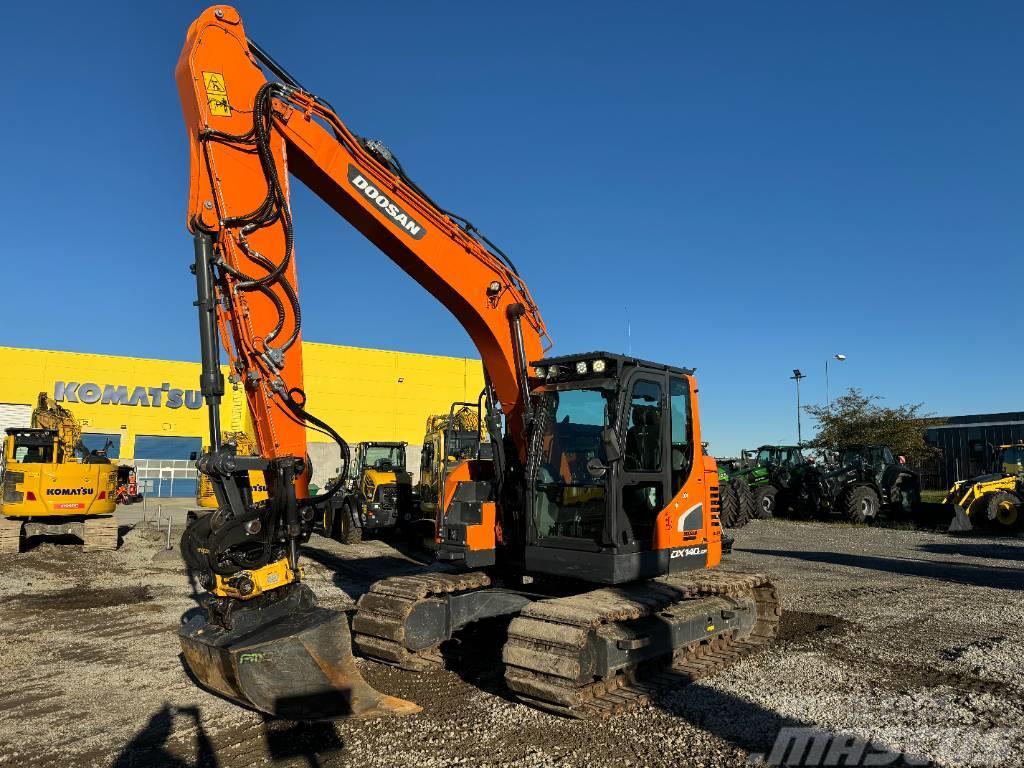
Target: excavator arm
(248,136)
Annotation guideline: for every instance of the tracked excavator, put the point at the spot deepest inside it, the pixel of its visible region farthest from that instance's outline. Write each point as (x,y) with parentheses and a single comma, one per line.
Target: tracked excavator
(53,485)
(594,527)
(448,439)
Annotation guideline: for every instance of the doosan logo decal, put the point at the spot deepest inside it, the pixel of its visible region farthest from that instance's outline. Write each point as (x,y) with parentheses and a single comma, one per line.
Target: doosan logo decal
(388,207)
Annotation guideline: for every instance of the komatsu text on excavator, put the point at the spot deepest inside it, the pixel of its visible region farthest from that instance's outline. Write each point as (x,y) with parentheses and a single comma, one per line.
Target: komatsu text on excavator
(594,527)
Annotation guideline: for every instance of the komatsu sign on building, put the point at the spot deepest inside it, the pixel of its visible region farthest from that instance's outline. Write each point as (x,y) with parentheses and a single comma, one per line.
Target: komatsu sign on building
(150,413)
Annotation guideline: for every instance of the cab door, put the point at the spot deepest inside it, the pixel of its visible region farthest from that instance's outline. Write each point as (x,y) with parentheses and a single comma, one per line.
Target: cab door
(644,477)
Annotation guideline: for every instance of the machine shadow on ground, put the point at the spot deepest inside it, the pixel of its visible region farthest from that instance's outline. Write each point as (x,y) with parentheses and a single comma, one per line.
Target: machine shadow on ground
(151,746)
(287,741)
(175,737)
(971,575)
(741,723)
(1013,552)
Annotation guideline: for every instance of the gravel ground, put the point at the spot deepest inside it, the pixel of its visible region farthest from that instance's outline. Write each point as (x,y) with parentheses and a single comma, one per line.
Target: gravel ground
(908,639)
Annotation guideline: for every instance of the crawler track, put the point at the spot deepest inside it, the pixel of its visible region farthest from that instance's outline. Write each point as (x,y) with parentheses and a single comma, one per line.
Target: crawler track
(97,533)
(100,533)
(547,642)
(10,537)
(379,622)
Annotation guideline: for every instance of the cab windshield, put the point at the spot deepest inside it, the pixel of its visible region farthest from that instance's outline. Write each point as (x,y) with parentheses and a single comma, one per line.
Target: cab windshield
(1013,461)
(569,499)
(33,450)
(461,444)
(783,457)
(384,457)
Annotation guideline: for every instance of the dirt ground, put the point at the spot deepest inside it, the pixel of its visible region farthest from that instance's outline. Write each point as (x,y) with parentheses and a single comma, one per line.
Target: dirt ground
(909,639)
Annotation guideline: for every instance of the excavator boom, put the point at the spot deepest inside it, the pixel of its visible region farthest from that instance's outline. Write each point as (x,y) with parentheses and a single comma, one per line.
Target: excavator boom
(246,135)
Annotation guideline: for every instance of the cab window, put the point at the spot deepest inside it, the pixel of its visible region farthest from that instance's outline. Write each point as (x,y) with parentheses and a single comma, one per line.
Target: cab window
(33,454)
(682,442)
(643,433)
(1013,461)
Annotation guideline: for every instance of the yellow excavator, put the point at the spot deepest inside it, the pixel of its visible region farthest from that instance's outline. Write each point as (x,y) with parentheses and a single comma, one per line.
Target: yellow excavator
(450,438)
(206,498)
(53,485)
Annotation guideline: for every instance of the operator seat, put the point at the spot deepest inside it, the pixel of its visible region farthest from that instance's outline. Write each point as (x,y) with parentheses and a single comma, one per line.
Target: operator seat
(643,439)
(33,456)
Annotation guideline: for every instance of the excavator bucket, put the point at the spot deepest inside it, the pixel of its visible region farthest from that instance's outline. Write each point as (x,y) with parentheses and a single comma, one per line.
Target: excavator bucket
(291,659)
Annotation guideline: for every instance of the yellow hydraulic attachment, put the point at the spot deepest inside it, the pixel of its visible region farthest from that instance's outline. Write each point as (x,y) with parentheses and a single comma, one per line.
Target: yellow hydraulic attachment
(249,584)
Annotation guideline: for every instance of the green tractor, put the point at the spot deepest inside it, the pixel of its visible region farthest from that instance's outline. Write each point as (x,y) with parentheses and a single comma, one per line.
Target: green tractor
(735,499)
(771,474)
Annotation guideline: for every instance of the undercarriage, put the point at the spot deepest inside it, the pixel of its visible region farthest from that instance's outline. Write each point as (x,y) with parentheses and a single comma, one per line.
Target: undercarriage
(586,655)
(96,533)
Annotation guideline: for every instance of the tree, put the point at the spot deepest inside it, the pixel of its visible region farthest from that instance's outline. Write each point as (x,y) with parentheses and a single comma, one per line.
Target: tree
(857,418)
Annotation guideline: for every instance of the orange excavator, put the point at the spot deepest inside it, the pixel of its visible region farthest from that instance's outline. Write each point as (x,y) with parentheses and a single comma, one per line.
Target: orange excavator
(594,528)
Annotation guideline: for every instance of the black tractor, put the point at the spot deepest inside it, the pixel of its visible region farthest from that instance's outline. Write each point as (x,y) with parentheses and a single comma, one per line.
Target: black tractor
(860,481)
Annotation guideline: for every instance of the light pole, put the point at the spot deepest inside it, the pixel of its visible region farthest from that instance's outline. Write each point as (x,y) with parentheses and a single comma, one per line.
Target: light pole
(828,398)
(796,377)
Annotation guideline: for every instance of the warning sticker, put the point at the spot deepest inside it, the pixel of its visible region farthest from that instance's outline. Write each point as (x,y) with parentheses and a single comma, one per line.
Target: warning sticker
(217,94)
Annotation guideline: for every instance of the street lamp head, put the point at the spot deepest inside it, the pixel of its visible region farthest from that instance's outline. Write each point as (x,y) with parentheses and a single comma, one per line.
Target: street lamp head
(840,357)
(797,374)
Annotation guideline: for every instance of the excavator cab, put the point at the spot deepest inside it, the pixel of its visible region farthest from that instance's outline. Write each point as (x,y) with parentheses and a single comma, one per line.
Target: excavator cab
(614,457)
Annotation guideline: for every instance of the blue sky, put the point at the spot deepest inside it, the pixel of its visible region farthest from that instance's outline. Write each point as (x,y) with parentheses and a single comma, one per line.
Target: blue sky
(761,184)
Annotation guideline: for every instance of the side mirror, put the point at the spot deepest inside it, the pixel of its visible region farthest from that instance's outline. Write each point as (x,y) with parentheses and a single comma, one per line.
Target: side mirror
(612,447)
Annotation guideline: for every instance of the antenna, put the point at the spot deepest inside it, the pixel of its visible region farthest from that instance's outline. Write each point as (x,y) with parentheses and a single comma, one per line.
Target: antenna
(629,334)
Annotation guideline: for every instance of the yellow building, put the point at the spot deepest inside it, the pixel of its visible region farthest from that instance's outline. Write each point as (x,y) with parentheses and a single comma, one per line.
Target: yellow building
(150,413)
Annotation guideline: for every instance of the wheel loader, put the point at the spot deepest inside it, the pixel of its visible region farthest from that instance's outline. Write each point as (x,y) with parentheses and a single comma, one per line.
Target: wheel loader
(377,494)
(593,530)
(53,485)
(992,501)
